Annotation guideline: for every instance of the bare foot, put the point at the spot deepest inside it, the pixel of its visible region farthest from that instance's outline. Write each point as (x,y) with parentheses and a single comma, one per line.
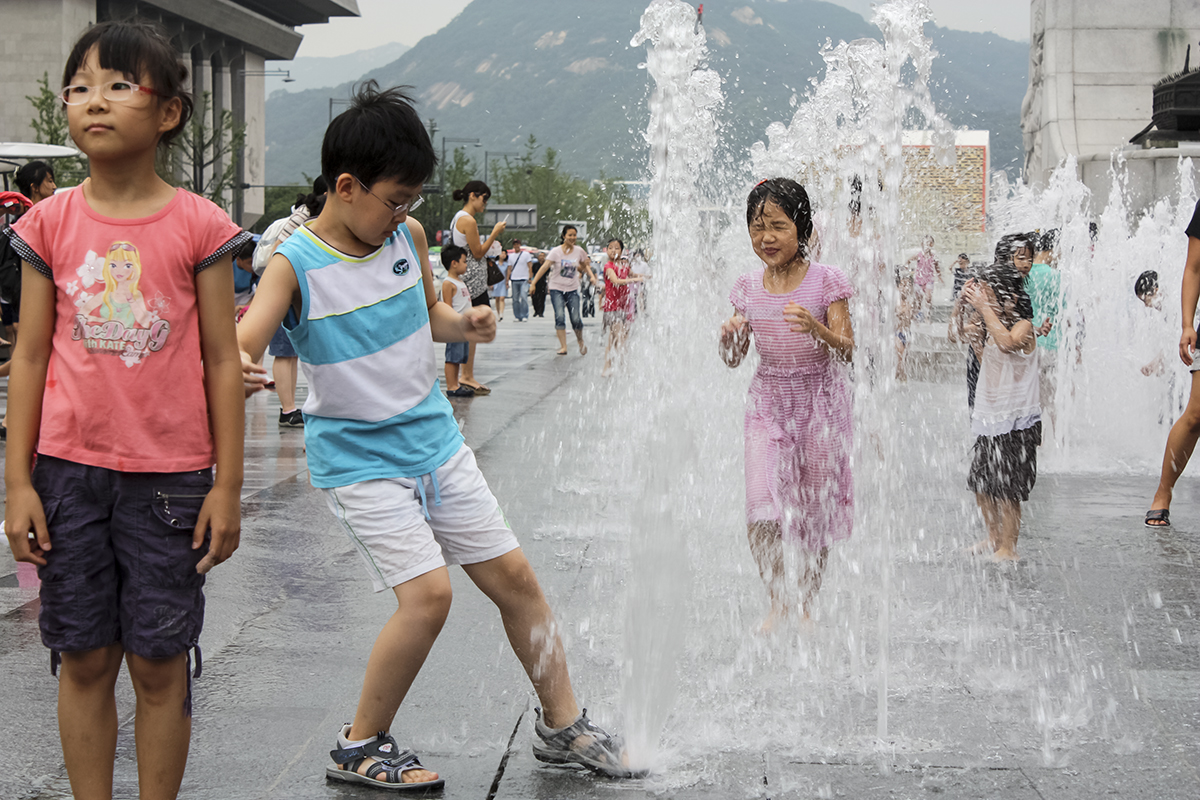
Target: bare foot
(582,349)
(773,620)
(1006,554)
(983,548)
(415,775)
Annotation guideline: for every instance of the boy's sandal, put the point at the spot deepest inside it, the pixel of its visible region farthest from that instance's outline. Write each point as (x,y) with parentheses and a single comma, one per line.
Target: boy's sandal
(462,391)
(390,764)
(1158,518)
(582,742)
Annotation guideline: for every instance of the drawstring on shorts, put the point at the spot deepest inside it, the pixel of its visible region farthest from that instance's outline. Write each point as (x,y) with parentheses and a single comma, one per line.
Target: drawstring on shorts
(437,492)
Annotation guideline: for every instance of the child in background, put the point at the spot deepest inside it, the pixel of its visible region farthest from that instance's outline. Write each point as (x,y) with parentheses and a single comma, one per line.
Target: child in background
(1006,419)
(1043,284)
(455,295)
(927,268)
(799,490)
(384,446)
(123,505)
(244,279)
(618,301)
(904,319)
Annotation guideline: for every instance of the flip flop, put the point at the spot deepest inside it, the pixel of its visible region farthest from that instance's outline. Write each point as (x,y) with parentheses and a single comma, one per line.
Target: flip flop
(560,352)
(1158,518)
(479,390)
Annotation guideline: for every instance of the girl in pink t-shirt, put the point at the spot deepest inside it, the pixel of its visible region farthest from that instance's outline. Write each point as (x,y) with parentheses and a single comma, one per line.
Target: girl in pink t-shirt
(127,384)
(799,489)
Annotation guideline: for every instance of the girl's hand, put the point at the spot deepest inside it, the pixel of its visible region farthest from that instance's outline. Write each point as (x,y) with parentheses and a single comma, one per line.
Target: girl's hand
(1187,346)
(254,377)
(23,515)
(499,227)
(221,514)
(1045,328)
(479,324)
(800,319)
(734,331)
(978,295)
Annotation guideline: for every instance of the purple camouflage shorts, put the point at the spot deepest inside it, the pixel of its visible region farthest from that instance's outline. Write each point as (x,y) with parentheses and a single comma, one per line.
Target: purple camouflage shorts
(121,567)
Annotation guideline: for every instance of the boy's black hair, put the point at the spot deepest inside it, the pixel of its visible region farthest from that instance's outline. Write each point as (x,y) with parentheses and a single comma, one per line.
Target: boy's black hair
(32,174)
(452,253)
(379,137)
(142,51)
(1048,240)
(791,199)
(472,187)
(1146,283)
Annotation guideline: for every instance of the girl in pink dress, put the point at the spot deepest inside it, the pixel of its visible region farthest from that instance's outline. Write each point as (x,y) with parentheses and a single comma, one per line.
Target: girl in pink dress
(799,488)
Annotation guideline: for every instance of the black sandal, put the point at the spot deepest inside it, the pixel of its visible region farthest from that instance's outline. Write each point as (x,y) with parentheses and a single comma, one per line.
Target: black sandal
(1158,518)
(390,761)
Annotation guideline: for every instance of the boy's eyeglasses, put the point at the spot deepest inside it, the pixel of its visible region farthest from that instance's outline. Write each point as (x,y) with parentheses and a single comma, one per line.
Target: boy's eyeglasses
(113,91)
(397,210)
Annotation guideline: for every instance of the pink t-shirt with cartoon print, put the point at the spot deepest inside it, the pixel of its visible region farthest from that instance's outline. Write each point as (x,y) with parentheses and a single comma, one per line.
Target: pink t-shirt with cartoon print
(125,383)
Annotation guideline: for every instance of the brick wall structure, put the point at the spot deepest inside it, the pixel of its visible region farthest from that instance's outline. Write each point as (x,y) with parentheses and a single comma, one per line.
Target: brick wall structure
(946,202)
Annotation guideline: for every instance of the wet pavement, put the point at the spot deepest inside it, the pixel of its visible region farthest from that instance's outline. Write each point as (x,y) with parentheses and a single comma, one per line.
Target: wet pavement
(1075,674)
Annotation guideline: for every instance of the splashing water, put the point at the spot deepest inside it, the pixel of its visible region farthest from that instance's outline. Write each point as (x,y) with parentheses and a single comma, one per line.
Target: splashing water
(666,432)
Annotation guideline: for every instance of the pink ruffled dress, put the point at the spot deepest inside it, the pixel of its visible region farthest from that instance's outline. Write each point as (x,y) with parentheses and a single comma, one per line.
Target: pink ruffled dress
(798,414)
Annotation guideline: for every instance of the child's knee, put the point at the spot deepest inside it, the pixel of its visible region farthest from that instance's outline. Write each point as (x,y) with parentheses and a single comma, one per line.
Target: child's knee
(92,666)
(158,678)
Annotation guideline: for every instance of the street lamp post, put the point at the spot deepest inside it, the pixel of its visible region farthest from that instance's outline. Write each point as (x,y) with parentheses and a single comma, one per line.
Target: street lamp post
(341,101)
(487,154)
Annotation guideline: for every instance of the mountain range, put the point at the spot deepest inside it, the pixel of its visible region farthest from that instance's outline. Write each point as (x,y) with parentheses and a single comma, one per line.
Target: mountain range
(565,72)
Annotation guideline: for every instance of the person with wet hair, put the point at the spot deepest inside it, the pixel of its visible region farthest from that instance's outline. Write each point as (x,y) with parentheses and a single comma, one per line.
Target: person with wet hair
(1006,418)
(798,438)
(127,301)
(1043,283)
(385,449)
(1184,433)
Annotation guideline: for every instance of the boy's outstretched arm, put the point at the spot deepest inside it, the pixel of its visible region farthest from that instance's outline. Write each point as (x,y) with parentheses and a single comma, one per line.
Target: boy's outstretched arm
(276,292)
(23,512)
(222,510)
(477,324)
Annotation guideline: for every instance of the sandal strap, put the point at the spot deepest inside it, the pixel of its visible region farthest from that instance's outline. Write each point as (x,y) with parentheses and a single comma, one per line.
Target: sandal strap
(382,748)
(394,768)
(604,747)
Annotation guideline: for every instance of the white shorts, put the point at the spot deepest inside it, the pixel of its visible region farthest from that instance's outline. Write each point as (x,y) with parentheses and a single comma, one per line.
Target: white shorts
(401,534)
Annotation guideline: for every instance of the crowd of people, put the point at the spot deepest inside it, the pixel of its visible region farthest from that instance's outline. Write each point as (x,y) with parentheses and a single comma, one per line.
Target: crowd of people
(126,282)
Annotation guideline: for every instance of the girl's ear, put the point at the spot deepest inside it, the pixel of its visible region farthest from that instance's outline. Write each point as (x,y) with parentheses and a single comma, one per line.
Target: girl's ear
(172,111)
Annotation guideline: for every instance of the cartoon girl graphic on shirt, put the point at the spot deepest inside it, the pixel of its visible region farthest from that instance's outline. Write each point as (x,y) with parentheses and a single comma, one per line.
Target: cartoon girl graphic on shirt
(121,301)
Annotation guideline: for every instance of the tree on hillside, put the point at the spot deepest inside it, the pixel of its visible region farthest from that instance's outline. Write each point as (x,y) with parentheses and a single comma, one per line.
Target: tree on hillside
(50,127)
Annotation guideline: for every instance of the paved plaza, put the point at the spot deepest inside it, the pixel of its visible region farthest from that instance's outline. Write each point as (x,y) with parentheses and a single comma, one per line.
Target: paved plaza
(1075,674)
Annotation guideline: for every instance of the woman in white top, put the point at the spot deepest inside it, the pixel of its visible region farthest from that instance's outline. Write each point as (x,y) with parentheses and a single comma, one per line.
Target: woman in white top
(563,263)
(1007,418)
(464,232)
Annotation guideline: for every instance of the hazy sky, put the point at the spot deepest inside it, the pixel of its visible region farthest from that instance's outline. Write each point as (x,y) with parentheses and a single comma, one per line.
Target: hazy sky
(409,21)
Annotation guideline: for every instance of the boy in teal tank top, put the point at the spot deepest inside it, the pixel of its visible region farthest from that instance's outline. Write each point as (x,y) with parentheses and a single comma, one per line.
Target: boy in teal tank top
(383,443)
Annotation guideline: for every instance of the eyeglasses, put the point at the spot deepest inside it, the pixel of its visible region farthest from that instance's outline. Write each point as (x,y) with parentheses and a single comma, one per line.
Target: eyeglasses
(113,91)
(403,208)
